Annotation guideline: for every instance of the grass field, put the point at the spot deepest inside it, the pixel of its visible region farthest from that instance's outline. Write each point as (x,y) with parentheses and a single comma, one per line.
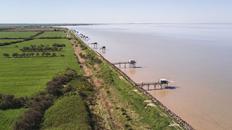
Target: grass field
(2,41)
(16,34)
(8,118)
(27,76)
(52,34)
(68,113)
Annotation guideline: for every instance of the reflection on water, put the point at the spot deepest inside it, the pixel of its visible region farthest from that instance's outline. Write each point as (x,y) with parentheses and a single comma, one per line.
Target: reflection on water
(197,57)
(130,71)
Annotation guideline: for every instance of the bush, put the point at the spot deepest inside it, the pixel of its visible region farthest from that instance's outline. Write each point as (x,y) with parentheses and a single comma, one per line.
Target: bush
(55,90)
(58,45)
(15,55)
(32,118)
(54,55)
(6,54)
(107,74)
(56,85)
(92,58)
(10,102)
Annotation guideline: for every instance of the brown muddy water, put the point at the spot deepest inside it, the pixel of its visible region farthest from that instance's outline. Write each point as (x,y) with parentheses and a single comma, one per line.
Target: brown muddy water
(196,57)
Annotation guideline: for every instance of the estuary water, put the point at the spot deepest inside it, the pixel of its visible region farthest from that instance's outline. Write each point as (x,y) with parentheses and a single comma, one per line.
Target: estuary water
(196,57)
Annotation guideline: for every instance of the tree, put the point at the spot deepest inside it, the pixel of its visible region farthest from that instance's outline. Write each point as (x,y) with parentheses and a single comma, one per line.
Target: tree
(15,55)
(54,54)
(6,55)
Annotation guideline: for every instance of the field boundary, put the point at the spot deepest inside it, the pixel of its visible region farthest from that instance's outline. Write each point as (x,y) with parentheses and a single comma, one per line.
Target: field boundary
(22,39)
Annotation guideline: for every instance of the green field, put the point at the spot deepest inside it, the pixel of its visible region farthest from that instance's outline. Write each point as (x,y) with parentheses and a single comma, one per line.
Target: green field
(52,34)
(68,113)
(8,118)
(16,34)
(27,76)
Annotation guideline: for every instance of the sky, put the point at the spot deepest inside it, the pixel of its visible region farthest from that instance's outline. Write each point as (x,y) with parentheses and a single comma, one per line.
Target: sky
(116,11)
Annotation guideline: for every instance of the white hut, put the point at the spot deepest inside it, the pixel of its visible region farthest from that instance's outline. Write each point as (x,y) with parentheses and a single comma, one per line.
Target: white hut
(163,83)
(131,61)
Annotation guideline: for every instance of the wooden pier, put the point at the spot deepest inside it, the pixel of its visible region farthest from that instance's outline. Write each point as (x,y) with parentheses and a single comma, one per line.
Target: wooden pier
(94,45)
(161,84)
(130,64)
(103,49)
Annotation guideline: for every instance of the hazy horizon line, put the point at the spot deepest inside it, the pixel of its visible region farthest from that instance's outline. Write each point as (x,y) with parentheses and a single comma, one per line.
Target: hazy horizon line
(104,23)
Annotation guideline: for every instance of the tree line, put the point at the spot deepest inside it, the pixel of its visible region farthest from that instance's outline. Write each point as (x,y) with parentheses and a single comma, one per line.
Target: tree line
(43,48)
(38,51)
(20,39)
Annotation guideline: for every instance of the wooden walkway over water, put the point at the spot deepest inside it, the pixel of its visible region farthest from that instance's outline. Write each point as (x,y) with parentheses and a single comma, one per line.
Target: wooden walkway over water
(131,64)
(152,86)
(123,64)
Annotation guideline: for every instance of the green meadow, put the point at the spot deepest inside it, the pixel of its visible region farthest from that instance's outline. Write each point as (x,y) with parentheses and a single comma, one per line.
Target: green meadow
(8,117)
(52,34)
(28,76)
(16,34)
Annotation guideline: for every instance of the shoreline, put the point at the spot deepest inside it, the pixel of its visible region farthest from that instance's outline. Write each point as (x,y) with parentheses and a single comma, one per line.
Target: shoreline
(171,114)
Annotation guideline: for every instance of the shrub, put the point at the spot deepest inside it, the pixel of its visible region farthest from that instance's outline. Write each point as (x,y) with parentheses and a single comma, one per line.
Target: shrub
(55,90)
(37,54)
(15,55)
(92,59)
(55,86)
(58,45)
(10,102)
(6,54)
(107,74)
(32,118)
(54,54)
